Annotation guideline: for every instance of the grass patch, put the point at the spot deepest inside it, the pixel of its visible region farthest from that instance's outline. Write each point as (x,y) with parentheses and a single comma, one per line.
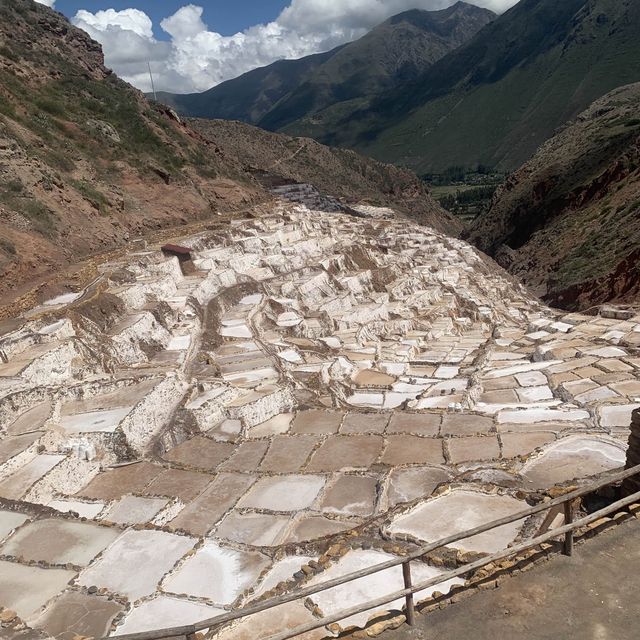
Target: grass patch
(14,187)
(7,108)
(5,52)
(52,107)
(7,246)
(96,198)
(14,196)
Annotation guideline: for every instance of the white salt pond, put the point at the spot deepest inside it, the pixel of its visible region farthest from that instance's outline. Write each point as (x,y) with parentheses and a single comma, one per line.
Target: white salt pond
(10,521)
(164,612)
(217,574)
(136,562)
(179,343)
(252,300)
(574,457)
(289,319)
(281,571)
(290,493)
(458,511)
(15,486)
(370,587)
(65,298)
(95,421)
(83,509)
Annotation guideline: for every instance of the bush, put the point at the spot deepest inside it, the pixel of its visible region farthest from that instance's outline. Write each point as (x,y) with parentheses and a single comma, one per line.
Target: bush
(5,52)
(58,160)
(14,187)
(40,215)
(7,107)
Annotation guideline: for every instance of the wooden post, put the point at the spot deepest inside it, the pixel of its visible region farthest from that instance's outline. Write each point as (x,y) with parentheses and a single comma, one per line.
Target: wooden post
(411,612)
(568,537)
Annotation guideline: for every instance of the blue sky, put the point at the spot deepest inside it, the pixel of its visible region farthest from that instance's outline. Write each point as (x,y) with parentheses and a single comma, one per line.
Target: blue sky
(223,16)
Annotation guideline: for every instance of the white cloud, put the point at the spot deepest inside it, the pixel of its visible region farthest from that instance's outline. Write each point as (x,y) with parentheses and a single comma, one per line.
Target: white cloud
(48,3)
(197,58)
(128,20)
(185,23)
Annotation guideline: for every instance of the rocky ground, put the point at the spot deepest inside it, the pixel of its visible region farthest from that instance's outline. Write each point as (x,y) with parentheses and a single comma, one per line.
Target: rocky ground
(309,394)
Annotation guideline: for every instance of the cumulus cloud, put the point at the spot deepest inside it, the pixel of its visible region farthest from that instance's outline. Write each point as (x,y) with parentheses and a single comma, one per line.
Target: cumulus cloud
(197,58)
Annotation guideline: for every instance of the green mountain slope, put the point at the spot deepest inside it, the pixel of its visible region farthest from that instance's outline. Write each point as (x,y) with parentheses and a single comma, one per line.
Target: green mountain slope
(249,97)
(568,221)
(496,99)
(391,55)
(335,84)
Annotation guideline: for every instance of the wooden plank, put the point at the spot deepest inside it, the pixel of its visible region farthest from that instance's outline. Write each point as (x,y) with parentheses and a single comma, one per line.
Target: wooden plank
(568,538)
(303,593)
(410,609)
(159,635)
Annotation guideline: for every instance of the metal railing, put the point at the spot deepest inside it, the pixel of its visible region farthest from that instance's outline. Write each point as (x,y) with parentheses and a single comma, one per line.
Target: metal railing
(566,531)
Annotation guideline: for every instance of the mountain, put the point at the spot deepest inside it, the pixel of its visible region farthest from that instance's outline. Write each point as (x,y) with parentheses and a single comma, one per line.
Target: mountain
(249,97)
(87,163)
(331,86)
(568,221)
(391,55)
(494,100)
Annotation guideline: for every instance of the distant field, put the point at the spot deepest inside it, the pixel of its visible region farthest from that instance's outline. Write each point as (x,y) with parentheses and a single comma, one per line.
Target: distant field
(466,201)
(443,191)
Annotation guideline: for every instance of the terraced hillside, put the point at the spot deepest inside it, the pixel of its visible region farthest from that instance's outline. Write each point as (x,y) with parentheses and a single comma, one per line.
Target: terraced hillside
(568,222)
(341,173)
(301,395)
(87,163)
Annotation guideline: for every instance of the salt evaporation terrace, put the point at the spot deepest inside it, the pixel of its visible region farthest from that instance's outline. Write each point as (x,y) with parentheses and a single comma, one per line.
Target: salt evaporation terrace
(318,386)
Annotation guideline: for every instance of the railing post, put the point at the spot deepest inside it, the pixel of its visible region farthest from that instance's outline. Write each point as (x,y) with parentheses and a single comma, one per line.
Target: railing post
(568,537)
(411,612)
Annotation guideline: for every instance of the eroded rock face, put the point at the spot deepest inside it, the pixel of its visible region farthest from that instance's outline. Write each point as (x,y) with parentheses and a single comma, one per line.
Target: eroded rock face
(318,375)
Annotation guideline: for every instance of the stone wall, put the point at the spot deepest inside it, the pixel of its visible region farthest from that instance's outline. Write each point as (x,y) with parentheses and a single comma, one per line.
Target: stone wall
(632,485)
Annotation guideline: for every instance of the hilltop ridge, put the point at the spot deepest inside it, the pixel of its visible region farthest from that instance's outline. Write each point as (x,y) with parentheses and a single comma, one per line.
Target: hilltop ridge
(328,87)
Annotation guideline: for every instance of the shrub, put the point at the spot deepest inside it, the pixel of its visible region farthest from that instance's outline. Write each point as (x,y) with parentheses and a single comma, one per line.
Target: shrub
(40,215)
(51,106)
(7,246)
(14,187)
(92,195)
